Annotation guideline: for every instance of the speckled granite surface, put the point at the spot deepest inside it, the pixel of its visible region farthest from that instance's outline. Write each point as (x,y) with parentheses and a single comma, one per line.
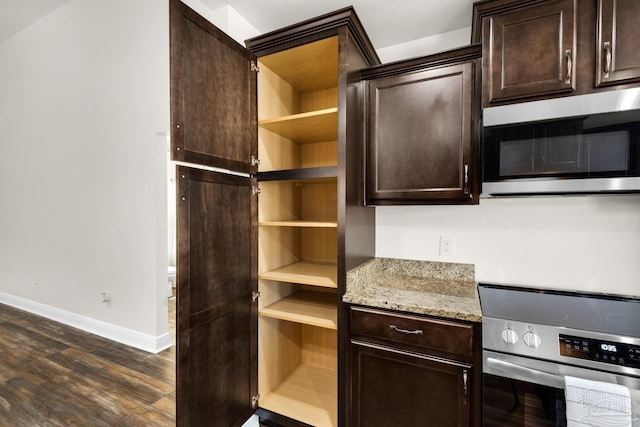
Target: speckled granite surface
(434,288)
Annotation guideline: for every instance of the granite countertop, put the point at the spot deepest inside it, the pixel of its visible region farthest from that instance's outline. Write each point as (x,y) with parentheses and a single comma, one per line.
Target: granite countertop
(425,287)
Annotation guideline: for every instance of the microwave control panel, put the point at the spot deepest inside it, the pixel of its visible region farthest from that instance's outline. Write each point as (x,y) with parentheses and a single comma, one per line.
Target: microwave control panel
(615,353)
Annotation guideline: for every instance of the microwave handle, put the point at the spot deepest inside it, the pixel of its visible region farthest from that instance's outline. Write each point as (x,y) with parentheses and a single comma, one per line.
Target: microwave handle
(511,370)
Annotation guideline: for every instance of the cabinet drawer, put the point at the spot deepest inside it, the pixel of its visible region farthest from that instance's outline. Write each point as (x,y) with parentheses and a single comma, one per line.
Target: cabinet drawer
(433,334)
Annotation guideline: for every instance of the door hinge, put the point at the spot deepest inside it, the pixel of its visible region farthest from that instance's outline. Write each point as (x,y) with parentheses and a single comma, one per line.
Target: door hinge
(254,67)
(255,190)
(255,161)
(254,401)
(255,296)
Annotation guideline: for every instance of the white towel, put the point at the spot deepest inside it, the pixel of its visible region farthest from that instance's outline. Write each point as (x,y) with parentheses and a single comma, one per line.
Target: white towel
(596,403)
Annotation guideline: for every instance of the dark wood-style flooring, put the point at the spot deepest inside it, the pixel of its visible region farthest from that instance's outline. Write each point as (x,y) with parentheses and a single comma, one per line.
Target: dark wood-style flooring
(55,375)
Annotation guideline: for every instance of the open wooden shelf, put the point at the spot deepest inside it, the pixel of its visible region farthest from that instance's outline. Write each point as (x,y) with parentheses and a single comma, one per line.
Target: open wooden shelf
(309,67)
(305,273)
(306,307)
(300,223)
(306,128)
(309,395)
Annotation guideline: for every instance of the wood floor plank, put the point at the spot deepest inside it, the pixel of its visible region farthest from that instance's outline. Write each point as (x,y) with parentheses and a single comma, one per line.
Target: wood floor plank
(53,375)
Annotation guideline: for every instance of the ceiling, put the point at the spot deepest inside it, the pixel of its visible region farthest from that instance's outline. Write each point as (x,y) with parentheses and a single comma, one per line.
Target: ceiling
(388,22)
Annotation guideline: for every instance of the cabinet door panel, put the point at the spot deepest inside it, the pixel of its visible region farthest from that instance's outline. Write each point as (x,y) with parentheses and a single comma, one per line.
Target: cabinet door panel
(213,95)
(530,51)
(216,318)
(420,135)
(618,56)
(396,388)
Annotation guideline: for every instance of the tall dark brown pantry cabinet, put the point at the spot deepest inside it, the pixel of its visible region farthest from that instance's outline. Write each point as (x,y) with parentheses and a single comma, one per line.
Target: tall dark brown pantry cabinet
(263,251)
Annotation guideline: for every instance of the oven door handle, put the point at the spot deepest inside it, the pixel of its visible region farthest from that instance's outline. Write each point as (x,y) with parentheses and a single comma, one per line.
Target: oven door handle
(511,370)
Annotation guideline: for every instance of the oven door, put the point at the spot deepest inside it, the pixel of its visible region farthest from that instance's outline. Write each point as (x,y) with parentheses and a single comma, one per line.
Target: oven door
(519,392)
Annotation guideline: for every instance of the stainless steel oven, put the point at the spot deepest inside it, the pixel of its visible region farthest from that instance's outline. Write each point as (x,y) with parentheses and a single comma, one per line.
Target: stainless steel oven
(549,353)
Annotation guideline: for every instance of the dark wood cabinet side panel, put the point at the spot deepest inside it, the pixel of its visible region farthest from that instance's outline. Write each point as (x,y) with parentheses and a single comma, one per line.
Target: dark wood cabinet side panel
(396,388)
(213,94)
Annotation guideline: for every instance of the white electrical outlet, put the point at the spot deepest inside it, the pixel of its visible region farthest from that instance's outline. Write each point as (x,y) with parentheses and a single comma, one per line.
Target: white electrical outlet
(447,245)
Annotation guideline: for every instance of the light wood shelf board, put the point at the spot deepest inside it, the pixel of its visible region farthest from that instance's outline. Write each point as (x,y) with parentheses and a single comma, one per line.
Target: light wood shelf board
(305,307)
(306,128)
(305,273)
(300,223)
(309,395)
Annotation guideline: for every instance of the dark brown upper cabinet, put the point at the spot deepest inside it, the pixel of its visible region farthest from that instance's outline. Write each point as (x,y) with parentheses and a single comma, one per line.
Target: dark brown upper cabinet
(617,53)
(422,133)
(262,255)
(539,49)
(529,51)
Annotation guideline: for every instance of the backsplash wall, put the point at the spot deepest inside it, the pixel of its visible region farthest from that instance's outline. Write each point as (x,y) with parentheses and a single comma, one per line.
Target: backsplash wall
(589,243)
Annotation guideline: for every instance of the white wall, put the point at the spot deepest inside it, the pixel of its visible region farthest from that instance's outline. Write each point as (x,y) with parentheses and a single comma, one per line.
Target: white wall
(226,19)
(84,104)
(426,46)
(575,243)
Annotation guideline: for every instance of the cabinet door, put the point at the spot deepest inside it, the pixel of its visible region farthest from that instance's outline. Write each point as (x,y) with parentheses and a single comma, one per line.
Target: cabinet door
(420,136)
(216,317)
(396,388)
(529,51)
(618,56)
(213,95)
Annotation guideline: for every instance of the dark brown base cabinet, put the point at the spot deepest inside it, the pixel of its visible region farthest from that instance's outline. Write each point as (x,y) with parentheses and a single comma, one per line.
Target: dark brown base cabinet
(426,378)
(422,129)
(537,49)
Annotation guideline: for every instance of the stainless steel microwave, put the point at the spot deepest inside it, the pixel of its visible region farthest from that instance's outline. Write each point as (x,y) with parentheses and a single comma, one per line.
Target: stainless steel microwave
(587,144)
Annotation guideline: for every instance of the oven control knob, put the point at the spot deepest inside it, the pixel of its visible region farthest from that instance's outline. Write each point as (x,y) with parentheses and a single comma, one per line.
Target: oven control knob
(531,339)
(509,336)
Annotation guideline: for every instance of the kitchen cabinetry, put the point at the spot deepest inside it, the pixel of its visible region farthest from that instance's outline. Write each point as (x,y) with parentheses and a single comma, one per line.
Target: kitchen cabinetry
(535,49)
(414,370)
(617,55)
(262,257)
(530,51)
(422,133)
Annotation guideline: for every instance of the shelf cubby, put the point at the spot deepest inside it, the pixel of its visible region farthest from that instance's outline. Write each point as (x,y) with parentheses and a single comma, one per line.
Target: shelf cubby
(306,307)
(298,229)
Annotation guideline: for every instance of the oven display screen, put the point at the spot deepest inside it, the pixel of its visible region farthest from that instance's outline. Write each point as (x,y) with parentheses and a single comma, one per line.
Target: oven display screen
(616,353)
(608,347)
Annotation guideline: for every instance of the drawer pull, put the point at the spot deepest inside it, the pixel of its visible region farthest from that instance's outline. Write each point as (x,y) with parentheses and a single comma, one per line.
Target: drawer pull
(406,331)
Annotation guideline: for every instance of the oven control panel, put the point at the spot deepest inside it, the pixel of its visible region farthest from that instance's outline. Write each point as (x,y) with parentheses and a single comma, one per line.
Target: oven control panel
(615,353)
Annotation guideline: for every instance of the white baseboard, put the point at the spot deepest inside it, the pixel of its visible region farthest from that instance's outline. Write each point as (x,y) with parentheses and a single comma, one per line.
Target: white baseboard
(149,343)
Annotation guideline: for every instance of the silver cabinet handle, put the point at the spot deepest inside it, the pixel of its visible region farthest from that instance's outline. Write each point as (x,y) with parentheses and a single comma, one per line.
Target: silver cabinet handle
(465,380)
(567,80)
(466,179)
(607,62)
(406,331)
